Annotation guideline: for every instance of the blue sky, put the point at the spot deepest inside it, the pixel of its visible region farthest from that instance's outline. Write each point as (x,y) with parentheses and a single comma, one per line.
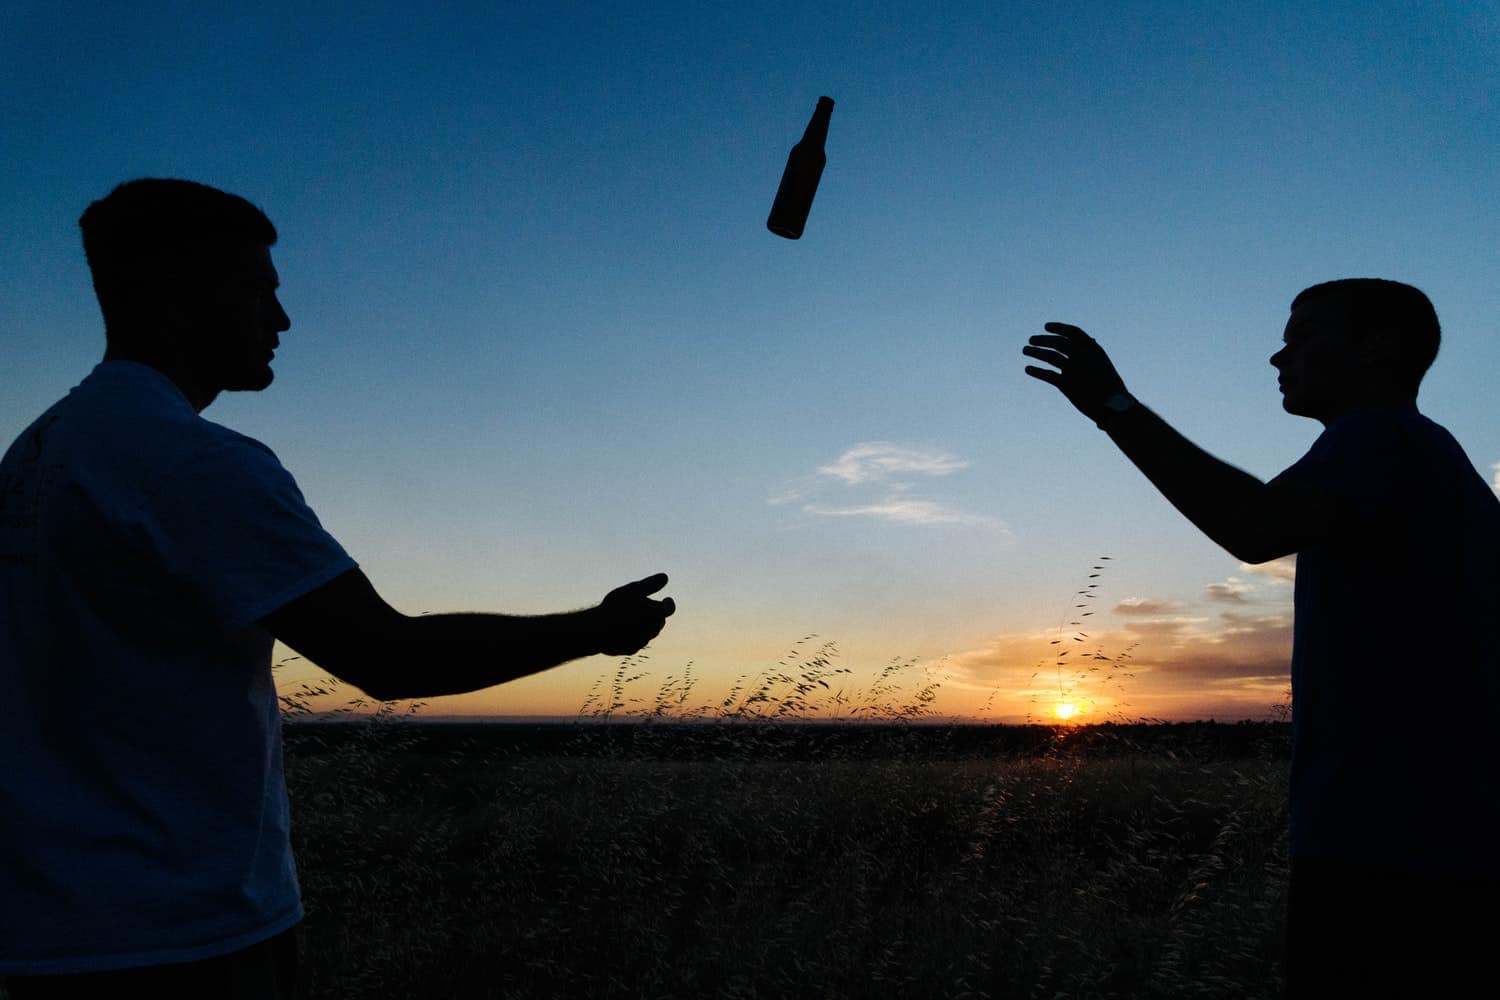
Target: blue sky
(542,342)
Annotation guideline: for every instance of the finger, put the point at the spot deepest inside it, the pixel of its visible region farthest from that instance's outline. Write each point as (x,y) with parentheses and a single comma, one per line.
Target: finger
(1045,374)
(668,607)
(1054,341)
(1043,354)
(1066,329)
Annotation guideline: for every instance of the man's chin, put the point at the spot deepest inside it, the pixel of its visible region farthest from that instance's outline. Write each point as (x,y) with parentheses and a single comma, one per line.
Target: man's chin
(1302,408)
(253,381)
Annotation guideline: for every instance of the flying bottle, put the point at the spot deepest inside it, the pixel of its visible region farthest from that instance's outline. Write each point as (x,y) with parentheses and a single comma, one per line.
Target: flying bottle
(799,182)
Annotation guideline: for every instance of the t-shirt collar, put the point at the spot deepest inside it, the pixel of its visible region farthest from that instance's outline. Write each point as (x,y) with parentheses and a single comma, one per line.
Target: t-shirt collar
(139,373)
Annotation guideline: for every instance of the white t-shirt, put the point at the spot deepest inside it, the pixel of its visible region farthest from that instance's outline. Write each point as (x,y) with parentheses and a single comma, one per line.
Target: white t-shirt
(143,810)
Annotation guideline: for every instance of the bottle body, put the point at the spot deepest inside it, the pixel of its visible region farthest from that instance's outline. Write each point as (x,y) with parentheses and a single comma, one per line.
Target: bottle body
(799,181)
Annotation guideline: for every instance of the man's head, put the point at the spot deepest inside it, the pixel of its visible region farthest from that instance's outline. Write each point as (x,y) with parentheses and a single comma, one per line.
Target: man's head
(185,281)
(1355,343)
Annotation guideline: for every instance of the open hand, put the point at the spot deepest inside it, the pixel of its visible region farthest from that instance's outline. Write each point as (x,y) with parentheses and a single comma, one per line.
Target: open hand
(629,617)
(1084,372)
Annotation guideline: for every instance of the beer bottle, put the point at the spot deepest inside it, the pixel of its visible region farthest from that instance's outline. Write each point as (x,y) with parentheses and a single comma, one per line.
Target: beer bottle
(799,182)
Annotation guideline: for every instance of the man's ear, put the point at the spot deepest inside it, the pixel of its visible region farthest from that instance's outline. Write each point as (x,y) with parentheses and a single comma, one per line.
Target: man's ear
(1379,348)
(179,307)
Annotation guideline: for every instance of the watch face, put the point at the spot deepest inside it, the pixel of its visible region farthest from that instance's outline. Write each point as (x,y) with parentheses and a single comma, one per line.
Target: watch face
(1119,402)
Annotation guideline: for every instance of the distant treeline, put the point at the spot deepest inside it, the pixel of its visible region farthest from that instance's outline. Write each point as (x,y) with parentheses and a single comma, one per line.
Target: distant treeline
(798,741)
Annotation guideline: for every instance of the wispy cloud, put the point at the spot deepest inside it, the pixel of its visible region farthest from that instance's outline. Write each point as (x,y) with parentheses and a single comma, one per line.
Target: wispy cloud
(1146,606)
(873,479)
(906,510)
(876,461)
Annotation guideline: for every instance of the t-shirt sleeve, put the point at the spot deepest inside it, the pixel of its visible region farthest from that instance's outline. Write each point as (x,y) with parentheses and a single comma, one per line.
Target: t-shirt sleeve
(1359,461)
(233,531)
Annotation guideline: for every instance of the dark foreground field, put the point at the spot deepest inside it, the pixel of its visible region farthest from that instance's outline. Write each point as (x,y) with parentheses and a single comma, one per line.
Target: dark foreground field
(719,860)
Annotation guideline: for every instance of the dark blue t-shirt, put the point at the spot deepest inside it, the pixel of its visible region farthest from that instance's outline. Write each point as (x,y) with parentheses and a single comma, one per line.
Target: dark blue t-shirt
(1395,672)
(143,810)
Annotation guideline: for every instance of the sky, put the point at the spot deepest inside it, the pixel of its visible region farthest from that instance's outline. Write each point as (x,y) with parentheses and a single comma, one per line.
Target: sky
(543,344)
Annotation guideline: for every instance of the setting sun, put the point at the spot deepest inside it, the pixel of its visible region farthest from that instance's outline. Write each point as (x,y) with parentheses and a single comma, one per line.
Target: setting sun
(1065,710)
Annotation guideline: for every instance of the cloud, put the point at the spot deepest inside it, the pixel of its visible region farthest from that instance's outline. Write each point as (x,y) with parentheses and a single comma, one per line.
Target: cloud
(905,510)
(874,461)
(864,477)
(1284,569)
(1161,626)
(1231,590)
(1146,606)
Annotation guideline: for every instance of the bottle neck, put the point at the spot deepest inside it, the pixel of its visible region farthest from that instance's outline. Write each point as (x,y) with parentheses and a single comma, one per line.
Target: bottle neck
(817,129)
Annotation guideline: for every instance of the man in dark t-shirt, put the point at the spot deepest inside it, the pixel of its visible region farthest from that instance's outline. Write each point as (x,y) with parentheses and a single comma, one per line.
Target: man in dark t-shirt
(1394,803)
(149,558)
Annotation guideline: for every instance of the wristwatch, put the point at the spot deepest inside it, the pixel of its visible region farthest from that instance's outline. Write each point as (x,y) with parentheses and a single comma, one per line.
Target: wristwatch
(1116,404)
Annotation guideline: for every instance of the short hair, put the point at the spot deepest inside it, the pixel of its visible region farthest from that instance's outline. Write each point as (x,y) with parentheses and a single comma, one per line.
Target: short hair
(1381,305)
(156,236)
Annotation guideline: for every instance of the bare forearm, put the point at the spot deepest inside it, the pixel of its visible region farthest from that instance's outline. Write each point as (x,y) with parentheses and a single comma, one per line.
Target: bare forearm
(457,653)
(345,627)
(1220,500)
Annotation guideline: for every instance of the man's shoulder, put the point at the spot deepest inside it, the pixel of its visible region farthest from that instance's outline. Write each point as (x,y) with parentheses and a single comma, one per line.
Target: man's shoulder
(1384,435)
(1380,422)
(128,423)
(1371,460)
(209,436)
(1387,423)
(1402,465)
(202,451)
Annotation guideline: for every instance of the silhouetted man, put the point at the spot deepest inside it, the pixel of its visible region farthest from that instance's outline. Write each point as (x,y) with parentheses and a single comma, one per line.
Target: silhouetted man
(1395,800)
(148,557)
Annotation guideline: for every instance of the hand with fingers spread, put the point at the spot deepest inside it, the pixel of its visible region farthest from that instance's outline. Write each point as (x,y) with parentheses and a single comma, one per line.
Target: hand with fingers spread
(1084,372)
(628,617)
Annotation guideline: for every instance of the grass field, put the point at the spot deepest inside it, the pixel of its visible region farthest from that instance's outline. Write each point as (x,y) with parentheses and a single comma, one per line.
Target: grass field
(739,859)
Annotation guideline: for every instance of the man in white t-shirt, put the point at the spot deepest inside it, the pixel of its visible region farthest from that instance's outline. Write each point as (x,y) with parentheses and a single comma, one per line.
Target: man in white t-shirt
(1394,803)
(148,559)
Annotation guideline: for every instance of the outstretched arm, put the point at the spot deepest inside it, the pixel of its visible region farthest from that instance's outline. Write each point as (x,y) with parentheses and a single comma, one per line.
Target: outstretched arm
(1254,521)
(349,630)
